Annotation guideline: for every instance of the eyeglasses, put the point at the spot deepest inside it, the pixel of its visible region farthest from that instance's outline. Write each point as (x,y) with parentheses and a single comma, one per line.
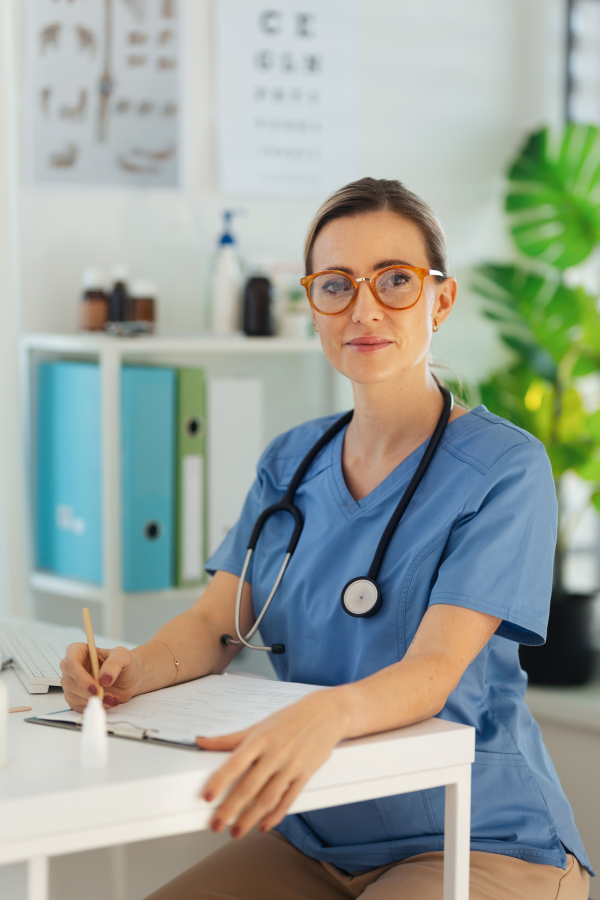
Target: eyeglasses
(395,287)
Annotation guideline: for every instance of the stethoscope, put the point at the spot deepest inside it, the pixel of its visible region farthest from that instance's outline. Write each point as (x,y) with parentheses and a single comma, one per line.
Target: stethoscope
(361,597)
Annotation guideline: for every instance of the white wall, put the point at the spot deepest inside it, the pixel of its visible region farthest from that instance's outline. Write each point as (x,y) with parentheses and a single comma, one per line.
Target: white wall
(13,545)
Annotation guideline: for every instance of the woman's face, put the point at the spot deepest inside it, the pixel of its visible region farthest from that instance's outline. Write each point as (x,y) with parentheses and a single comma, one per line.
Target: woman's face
(368,342)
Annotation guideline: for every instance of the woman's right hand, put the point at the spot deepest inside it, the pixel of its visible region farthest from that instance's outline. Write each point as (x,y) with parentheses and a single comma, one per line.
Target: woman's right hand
(119,675)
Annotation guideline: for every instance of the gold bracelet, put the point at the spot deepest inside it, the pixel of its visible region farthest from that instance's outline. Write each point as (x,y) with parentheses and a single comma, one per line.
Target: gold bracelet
(176,661)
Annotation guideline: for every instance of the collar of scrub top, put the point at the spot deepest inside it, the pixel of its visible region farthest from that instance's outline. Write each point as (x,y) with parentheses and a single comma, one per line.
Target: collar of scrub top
(361,596)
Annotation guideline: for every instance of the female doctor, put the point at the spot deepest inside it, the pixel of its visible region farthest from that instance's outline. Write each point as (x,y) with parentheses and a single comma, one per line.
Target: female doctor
(401,617)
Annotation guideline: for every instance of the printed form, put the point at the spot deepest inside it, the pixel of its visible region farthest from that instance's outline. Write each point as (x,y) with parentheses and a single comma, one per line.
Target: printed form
(210,706)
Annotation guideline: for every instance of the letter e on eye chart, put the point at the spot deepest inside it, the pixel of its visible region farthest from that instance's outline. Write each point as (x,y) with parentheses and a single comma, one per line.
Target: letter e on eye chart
(287,96)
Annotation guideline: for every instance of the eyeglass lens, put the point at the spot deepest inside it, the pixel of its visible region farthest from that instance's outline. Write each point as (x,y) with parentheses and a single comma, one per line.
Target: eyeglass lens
(397,288)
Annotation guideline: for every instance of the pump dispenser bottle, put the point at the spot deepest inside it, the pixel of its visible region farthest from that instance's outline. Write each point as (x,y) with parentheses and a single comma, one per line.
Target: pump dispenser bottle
(226,285)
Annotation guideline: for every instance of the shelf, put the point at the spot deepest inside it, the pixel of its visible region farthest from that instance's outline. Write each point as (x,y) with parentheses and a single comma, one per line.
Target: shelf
(67,587)
(150,345)
(95,593)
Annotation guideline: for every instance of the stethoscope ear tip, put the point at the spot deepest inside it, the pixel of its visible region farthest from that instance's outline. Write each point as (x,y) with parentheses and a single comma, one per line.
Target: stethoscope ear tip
(227,640)
(277,648)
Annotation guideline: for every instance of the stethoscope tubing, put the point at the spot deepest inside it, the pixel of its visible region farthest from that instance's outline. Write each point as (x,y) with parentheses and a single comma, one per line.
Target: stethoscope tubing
(287,504)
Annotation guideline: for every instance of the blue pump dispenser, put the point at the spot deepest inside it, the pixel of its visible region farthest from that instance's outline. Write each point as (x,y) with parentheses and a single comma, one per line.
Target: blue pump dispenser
(227,237)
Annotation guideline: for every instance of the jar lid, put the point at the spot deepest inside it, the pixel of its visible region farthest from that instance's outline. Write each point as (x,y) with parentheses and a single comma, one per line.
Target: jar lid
(119,272)
(93,279)
(142,288)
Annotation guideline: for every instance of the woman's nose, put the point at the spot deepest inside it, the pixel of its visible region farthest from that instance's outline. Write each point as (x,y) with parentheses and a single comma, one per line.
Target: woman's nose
(366,308)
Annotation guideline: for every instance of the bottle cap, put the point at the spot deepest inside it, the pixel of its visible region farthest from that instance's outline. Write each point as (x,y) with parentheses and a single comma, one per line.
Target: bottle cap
(93,279)
(119,272)
(142,288)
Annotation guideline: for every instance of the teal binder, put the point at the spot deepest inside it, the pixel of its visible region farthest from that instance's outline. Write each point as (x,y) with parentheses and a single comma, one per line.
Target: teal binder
(69,487)
(148,398)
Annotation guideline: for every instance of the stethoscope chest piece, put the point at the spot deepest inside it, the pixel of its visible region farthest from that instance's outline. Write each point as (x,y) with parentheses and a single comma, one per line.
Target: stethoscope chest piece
(361,597)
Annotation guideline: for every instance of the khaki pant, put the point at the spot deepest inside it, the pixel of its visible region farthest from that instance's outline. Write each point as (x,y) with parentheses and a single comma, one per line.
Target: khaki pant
(268,867)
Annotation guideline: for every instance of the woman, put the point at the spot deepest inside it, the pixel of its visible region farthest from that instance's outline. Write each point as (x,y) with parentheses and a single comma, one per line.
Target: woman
(466,577)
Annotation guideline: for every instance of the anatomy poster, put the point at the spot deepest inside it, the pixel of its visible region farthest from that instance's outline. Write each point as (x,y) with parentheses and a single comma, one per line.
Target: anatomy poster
(103,91)
(287,95)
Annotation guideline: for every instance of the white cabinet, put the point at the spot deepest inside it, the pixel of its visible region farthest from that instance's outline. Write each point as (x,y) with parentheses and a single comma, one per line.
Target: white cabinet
(298,385)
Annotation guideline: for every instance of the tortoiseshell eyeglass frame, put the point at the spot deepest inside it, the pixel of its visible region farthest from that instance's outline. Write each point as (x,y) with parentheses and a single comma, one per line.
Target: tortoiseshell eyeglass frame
(422,273)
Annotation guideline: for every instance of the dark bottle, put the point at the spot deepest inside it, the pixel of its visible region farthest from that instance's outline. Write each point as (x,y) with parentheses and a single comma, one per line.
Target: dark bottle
(257,307)
(117,301)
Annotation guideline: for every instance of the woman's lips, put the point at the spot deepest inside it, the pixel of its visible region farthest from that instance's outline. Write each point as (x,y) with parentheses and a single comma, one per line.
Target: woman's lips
(369,344)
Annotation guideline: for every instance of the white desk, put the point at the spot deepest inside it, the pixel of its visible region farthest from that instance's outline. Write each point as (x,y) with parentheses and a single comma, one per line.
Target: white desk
(50,806)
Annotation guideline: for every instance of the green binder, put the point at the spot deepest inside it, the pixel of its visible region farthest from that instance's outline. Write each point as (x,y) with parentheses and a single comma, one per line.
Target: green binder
(190,531)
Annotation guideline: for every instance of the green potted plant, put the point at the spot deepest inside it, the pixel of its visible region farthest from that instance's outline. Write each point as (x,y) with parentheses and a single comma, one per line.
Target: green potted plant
(551,324)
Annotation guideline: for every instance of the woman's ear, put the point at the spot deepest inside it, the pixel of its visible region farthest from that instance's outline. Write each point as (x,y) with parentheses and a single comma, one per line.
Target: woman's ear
(445,299)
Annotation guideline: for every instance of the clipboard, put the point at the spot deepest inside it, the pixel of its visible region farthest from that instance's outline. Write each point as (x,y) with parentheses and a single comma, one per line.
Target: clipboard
(129,731)
(173,716)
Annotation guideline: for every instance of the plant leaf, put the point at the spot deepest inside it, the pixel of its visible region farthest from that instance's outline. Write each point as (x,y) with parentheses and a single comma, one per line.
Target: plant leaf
(554,195)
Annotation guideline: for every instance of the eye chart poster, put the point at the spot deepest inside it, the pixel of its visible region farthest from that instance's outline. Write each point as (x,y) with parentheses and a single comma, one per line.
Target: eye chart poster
(287,95)
(102,91)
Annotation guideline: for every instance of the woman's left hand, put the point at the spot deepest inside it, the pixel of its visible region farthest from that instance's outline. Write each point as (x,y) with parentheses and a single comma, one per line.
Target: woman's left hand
(272,761)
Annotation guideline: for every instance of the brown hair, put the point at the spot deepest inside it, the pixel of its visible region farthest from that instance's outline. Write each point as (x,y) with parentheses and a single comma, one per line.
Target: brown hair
(380,195)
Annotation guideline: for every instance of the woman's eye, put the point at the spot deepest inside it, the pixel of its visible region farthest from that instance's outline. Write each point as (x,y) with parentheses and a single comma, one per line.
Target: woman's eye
(335,287)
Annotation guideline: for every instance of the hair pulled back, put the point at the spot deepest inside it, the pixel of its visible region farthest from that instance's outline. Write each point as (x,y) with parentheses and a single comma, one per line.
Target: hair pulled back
(380,195)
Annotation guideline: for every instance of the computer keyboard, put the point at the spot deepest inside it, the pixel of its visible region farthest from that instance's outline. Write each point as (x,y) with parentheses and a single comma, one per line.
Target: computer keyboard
(37,648)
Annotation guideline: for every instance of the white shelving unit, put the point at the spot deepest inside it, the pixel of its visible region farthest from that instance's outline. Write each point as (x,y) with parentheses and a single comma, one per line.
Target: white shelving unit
(111,353)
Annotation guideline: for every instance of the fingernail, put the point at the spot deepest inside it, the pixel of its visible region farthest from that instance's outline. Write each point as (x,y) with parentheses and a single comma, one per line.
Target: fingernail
(106,679)
(236,831)
(209,796)
(114,701)
(92,689)
(217,825)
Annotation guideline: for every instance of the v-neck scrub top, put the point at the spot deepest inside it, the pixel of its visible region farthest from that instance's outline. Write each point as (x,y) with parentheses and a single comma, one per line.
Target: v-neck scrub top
(480,533)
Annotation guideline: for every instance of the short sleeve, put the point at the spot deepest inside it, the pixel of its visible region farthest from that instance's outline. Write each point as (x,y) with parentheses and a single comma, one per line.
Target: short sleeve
(499,555)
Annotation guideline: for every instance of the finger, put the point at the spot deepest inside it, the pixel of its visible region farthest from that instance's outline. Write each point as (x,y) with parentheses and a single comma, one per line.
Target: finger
(113,665)
(73,667)
(110,702)
(73,689)
(223,741)
(241,760)
(267,801)
(273,818)
(245,792)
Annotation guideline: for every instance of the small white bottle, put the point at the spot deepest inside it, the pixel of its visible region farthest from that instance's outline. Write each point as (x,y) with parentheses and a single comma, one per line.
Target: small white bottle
(3,724)
(94,739)
(226,285)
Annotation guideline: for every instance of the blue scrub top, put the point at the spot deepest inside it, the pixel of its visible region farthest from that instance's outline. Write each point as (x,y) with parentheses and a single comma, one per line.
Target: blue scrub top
(480,533)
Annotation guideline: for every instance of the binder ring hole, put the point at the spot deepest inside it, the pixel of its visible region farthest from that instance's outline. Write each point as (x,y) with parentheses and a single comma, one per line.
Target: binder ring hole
(193,426)
(152,530)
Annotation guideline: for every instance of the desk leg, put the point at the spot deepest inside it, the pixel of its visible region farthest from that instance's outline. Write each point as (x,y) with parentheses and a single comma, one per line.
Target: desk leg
(37,878)
(457,836)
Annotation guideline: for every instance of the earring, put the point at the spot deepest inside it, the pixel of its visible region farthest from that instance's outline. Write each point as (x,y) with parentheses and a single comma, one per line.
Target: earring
(436,325)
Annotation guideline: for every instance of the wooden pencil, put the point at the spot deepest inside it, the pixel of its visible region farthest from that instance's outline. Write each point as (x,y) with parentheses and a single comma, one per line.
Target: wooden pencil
(87,621)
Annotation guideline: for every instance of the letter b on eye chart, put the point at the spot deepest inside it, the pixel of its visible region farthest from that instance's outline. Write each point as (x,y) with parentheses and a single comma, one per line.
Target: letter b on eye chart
(287,95)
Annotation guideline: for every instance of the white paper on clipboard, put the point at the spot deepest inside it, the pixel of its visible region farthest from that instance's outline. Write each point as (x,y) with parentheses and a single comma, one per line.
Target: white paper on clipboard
(210,706)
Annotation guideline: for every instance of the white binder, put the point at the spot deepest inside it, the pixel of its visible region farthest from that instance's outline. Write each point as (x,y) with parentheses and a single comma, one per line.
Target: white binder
(235,442)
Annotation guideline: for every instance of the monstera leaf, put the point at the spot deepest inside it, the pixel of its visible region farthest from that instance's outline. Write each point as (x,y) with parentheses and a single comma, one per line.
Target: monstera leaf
(554,196)
(540,318)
